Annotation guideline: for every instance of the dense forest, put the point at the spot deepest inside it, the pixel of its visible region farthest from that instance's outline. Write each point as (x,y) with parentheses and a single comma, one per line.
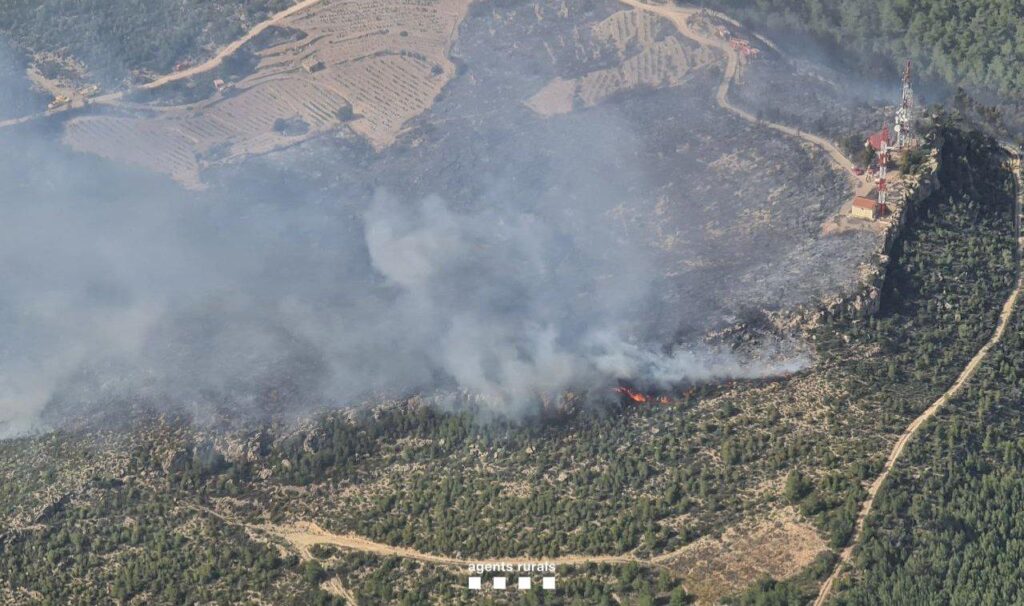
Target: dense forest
(946,527)
(928,308)
(114,38)
(974,43)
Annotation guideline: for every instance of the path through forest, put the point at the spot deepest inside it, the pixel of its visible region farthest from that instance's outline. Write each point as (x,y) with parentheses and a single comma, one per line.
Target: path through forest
(911,430)
(231,48)
(302,536)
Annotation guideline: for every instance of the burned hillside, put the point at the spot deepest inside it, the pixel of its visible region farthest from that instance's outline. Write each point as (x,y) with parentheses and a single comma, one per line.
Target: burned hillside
(732,211)
(385,298)
(573,204)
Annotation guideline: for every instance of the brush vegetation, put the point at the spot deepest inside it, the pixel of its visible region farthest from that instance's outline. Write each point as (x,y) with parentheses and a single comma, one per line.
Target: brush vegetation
(114,38)
(162,516)
(972,43)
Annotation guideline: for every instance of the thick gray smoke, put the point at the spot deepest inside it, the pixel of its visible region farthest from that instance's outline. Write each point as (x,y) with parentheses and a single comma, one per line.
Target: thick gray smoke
(514,306)
(119,287)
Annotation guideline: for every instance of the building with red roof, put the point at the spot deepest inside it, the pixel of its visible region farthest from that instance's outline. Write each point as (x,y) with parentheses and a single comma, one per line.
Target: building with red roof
(876,140)
(866,208)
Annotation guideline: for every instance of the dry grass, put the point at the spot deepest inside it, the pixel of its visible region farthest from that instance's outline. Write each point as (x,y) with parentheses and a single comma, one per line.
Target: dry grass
(644,61)
(778,546)
(386,61)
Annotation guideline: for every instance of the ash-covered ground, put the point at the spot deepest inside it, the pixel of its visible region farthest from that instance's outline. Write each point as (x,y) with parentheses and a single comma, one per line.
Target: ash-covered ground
(813,97)
(495,247)
(732,211)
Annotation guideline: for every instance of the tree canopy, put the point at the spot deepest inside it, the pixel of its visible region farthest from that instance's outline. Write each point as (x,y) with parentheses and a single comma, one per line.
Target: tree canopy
(978,44)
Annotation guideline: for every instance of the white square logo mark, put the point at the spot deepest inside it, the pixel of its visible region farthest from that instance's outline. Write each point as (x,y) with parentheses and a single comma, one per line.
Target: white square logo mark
(474,582)
(524,582)
(499,582)
(549,583)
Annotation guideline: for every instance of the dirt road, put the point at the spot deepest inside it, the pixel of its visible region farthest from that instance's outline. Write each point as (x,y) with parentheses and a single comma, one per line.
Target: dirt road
(21,120)
(231,48)
(680,17)
(111,98)
(911,430)
(303,535)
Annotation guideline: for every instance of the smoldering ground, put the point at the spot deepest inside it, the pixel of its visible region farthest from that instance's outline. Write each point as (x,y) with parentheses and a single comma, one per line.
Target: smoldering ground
(491,257)
(120,287)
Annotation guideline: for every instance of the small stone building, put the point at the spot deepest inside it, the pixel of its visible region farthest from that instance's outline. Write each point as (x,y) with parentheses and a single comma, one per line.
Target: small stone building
(865,208)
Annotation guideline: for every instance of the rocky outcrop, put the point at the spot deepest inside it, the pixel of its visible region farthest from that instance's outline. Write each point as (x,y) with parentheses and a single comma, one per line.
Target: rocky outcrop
(906,196)
(243,449)
(908,193)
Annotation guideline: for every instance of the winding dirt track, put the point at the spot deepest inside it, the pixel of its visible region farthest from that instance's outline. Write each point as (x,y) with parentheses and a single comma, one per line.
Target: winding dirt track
(301,536)
(21,120)
(231,48)
(112,98)
(304,535)
(911,430)
(680,17)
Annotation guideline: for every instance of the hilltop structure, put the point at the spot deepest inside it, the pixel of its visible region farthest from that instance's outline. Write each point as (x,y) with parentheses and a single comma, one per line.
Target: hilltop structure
(904,126)
(865,208)
(882,143)
(875,207)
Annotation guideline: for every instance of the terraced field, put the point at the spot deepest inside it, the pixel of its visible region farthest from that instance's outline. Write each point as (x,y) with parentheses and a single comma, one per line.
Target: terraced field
(539,108)
(370,65)
(650,56)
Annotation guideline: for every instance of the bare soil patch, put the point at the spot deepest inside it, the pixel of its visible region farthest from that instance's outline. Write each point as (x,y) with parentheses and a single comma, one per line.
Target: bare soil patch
(777,546)
(369,65)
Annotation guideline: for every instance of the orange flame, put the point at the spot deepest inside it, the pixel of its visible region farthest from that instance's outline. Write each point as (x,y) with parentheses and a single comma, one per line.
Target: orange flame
(632,394)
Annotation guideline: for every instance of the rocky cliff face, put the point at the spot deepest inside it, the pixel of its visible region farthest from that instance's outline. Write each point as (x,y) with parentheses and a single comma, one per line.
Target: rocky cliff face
(906,196)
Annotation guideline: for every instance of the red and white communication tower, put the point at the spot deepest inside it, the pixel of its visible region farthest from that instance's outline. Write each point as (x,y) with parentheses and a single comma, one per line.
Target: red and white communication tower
(904,126)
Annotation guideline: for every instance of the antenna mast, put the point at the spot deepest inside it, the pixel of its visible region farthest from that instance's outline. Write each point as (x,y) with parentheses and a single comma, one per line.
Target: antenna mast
(904,126)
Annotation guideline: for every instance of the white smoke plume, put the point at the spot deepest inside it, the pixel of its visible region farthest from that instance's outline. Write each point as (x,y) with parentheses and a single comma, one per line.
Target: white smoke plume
(117,286)
(498,316)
